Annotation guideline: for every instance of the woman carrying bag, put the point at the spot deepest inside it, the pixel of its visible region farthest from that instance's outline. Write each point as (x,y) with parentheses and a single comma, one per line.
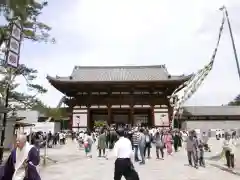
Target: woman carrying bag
(159,142)
(229,148)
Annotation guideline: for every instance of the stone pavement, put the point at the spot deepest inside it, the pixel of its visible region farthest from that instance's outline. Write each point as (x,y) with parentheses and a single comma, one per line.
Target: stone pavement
(73,165)
(216,147)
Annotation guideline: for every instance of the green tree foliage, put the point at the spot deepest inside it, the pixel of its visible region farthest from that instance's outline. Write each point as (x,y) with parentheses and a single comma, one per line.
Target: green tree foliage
(235,102)
(18,99)
(100,123)
(55,113)
(28,11)
(40,107)
(18,7)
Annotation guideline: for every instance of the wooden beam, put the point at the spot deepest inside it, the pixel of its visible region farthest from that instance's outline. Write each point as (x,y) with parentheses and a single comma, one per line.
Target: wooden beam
(76,90)
(124,100)
(120,100)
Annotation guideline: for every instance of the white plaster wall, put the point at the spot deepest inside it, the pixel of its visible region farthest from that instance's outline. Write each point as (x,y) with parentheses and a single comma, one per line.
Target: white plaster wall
(161,118)
(44,127)
(206,125)
(79,116)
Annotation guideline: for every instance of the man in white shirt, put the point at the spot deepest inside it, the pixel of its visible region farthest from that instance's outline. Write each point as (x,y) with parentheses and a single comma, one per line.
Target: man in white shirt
(123,164)
(61,137)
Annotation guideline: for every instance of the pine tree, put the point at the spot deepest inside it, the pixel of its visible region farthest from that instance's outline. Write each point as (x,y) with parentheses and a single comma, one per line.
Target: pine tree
(28,12)
(16,98)
(235,102)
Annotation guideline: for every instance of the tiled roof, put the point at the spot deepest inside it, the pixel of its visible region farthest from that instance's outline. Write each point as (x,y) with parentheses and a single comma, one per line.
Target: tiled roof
(120,73)
(212,110)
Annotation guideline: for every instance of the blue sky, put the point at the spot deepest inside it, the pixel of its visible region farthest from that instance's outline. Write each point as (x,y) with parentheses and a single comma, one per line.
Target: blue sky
(180,34)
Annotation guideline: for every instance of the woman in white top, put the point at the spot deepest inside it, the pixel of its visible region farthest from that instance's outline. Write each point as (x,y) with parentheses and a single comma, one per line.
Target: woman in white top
(229,147)
(88,141)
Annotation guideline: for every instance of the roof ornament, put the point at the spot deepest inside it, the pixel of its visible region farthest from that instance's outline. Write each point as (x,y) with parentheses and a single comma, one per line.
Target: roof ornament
(188,88)
(70,77)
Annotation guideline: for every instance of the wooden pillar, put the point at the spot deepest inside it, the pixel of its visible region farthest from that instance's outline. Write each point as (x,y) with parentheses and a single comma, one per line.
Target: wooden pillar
(152,118)
(170,116)
(70,124)
(109,119)
(90,123)
(131,116)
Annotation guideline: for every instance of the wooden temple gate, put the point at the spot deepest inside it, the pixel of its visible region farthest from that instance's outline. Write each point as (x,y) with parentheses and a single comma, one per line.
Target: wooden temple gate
(118,92)
(150,106)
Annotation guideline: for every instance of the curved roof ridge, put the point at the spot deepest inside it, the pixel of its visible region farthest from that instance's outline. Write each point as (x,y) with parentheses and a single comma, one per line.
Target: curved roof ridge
(124,66)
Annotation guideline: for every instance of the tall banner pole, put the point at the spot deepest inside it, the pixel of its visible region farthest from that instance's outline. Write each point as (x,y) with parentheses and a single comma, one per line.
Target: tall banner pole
(187,89)
(224,9)
(12,55)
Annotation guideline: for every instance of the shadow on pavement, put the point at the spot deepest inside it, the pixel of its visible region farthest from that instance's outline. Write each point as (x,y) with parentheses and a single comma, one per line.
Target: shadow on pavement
(225,169)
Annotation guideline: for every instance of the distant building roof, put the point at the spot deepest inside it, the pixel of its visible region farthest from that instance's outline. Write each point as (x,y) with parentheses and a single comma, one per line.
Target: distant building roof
(119,73)
(23,123)
(212,110)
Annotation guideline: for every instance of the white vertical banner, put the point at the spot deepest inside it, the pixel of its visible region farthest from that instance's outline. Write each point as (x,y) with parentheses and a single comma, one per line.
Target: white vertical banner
(14,43)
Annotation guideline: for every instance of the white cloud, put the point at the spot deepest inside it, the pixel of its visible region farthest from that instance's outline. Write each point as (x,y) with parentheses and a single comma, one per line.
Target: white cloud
(180,34)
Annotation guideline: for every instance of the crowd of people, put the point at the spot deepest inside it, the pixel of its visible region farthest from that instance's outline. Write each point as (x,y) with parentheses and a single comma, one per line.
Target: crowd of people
(137,142)
(40,139)
(145,141)
(142,139)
